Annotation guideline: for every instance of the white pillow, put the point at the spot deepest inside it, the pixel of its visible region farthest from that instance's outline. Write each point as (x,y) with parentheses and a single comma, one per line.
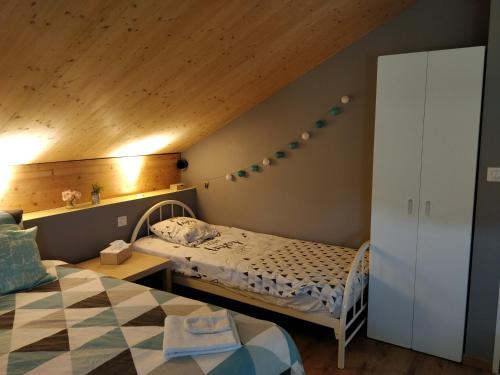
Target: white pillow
(184,230)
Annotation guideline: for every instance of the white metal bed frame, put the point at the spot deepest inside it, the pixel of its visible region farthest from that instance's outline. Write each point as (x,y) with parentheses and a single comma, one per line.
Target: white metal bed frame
(356,320)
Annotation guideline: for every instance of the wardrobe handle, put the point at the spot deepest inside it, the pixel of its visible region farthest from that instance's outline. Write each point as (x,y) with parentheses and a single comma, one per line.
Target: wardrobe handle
(410,206)
(427,208)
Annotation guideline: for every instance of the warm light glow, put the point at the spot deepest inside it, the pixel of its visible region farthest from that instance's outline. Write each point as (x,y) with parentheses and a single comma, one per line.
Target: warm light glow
(14,150)
(131,169)
(5,177)
(20,149)
(131,164)
(145,146)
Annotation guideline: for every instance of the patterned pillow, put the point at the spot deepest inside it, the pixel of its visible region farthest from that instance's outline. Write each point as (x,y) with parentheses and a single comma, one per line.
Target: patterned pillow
(184,231)
(20,264)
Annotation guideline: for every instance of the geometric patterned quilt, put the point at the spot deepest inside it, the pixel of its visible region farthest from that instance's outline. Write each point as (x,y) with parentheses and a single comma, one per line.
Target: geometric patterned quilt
(88,323)
(268,265)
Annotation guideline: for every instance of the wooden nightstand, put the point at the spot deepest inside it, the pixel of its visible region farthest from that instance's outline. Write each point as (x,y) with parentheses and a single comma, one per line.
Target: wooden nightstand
(136,267)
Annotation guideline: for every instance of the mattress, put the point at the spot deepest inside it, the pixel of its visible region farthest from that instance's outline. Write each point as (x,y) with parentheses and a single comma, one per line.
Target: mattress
(85,322)
(307,276)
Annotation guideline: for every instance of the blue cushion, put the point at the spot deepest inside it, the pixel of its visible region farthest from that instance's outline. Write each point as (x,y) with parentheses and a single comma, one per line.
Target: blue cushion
(16,214)
(20,264)
(4,227)
(6,218)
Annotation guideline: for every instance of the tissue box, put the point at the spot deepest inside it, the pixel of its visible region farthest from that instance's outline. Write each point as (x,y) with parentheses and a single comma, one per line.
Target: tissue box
(178,186)
(114,256)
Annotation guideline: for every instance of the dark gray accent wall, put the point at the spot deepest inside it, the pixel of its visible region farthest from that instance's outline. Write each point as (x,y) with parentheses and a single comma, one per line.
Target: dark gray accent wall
(80,235)
(322,191)
(485,269)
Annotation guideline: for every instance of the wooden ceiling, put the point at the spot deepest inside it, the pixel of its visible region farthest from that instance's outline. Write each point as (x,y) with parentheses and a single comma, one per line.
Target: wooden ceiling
(82,79)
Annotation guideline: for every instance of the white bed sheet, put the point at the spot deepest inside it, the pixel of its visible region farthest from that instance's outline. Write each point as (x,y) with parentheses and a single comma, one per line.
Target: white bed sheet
(303,275)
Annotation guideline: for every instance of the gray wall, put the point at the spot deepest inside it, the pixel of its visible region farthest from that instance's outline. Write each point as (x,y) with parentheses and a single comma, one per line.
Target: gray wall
(485,270)
(322,192)
(80,235)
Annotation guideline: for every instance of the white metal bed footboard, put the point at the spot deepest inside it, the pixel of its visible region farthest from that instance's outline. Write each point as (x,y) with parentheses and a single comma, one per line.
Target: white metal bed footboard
(353,314)
(358,310)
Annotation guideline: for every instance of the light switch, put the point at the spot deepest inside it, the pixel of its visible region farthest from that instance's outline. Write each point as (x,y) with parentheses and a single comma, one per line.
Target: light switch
(122,221)
(493,175)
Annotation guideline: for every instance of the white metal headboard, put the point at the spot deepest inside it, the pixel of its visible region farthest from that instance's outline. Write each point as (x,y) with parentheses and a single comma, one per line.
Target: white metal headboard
(159,206)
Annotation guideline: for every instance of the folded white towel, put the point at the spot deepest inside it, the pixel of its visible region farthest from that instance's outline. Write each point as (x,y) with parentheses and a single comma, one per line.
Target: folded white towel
(214,322)
(177,342)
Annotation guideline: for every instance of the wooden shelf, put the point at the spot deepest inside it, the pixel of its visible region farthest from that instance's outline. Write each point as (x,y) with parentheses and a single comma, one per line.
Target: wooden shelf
(104,202)
(136,267)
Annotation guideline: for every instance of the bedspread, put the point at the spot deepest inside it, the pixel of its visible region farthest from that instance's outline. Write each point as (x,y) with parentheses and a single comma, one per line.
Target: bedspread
(85,322)
(265,264)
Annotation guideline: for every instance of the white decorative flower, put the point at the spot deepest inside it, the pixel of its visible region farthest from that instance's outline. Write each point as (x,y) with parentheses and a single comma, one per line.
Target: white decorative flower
(69,195)
(66,195)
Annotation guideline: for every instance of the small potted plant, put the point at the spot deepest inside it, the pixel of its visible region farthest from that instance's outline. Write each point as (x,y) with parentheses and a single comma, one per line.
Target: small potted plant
(70,197)
(96,193)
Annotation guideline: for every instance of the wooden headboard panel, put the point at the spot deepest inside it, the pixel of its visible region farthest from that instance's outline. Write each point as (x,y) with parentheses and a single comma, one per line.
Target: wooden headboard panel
(36,187)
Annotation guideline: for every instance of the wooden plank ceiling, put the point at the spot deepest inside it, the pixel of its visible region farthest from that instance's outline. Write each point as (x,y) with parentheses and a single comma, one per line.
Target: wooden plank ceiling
(96,78)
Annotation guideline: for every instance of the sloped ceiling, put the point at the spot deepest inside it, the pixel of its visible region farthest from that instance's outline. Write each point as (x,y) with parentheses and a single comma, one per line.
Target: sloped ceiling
(95,78)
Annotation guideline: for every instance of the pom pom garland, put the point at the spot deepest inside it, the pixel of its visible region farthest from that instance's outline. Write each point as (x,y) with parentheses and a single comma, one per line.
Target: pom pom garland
(279,154)
(345,99)
(320,124)
(335,111)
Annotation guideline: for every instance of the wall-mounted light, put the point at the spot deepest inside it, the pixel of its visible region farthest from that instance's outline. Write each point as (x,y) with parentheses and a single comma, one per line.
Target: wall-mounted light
(182,164)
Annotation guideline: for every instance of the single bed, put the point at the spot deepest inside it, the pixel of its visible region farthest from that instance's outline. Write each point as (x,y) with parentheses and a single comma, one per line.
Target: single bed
(84,322)
(320,283)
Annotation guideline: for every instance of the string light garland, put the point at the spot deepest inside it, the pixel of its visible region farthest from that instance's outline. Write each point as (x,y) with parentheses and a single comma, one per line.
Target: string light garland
(320,124)
(293,145)
(335,111)
(280,154)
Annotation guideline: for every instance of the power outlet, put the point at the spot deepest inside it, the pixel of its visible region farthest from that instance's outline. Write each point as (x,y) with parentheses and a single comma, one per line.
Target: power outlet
(122,221)
(493,175)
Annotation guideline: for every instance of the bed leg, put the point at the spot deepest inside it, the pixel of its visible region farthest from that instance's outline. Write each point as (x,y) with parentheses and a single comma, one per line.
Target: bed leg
(167,280)
(341,351)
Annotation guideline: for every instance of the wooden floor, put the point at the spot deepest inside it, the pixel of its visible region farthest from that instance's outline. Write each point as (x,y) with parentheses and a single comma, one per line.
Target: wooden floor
(318,347)
(364,356)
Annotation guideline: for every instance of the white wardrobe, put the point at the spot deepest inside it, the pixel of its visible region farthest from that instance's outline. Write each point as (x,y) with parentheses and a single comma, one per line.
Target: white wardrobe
(424,170)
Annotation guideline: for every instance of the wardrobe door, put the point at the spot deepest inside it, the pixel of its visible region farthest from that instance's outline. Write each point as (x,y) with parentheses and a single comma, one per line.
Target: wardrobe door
(449,157)
(395,198)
